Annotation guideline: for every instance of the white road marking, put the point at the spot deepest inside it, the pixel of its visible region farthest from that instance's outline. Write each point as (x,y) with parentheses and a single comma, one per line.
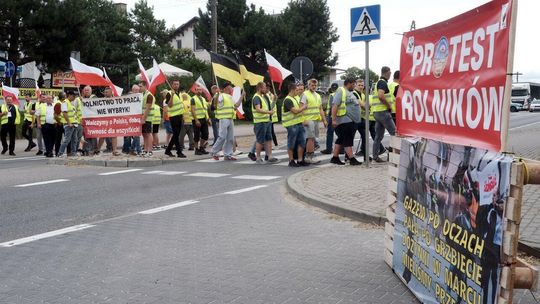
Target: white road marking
(119,172)
(256,177)
(524,126)
(25,158)
(153,172)
(246,189)
(172,172)
(42,183)
(207,174)
(45,235)
(285,162)
(168,207)
(211,160)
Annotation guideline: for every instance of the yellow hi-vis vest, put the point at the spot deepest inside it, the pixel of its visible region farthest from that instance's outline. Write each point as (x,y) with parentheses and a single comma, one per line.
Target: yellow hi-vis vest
(27,109)
(260,117)
(313,111)
(289,118)
(375,103)
(226,110)
(342,108)
(392,88)
(78,109)
(201,110)
(188,116)
(70,112)
(156,114)
(275,117)
(328,111)
(5,119)
(43,112)
(177,107)
(149,118)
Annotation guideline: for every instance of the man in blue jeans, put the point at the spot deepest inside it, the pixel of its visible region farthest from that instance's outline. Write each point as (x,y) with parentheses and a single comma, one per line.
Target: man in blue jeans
(262,110)
(71,123)
(292,120)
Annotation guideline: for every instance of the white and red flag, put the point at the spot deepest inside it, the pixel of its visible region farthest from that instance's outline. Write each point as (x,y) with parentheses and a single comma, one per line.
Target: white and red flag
(276,70)
(117,91)
(38,92)
(9,91)
(87,75)
(158,77)
(200,83)
(144,75)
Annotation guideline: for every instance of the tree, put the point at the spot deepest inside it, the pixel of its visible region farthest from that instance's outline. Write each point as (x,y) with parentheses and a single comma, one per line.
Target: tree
(151,38)
(185,59)
(359,73)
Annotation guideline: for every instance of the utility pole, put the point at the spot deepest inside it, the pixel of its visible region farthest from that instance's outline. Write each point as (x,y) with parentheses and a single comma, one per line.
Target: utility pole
(517,75)
(214,27)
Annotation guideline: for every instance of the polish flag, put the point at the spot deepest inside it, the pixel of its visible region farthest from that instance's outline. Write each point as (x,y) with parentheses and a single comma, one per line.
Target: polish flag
(276,70)
(9,91)
(88,75)
(117,91)
(38,92)
(158,77)
(144,75)
(200,83)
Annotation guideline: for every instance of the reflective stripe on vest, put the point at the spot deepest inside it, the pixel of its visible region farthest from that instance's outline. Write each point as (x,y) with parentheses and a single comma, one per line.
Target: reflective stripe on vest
(289,118)
(392,88)
(200,107)
(275,117)
(43,112)
(149,118)
(188,116)
(260,117)
(226,111)
(177,107)
(78,110)
(371,117)
(329,104)
(70,112)
(27,109)
(5,119)
(342,108)
(313,111)
(375,103)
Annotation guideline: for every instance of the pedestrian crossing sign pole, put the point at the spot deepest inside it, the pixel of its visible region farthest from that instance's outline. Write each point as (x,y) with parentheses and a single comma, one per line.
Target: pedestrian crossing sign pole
(366,26)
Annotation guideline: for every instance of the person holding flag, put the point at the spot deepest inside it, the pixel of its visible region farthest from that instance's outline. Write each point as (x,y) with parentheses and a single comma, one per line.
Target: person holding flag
(199,110)
(148,102)
(9,119)
(175,111)
(225,112)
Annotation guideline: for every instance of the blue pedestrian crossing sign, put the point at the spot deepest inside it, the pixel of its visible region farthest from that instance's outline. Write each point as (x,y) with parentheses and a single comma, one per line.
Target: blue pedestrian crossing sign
(366,23)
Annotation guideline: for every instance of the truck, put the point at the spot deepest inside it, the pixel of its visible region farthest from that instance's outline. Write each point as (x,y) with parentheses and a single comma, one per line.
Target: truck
(524,92)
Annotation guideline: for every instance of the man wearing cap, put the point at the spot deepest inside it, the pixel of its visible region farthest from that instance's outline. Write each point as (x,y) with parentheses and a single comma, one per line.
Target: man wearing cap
(225,111)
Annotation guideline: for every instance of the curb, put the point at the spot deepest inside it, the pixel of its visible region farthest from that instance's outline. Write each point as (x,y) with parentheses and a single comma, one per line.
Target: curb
(319,202)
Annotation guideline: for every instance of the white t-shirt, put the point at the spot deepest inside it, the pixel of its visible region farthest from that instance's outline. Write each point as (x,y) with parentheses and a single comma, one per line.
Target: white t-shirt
(49,114)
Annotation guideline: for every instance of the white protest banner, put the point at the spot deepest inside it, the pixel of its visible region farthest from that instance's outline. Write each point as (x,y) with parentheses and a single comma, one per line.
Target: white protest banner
(112,117)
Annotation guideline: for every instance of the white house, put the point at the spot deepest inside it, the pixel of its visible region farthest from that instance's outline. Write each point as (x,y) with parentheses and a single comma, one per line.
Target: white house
(184,37)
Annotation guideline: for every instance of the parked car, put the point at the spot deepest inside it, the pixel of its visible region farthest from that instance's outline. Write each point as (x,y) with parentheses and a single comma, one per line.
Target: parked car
(535,105)
(515,107)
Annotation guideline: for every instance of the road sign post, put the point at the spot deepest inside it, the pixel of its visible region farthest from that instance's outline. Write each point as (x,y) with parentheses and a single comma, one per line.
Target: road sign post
(366,26)
(10,71)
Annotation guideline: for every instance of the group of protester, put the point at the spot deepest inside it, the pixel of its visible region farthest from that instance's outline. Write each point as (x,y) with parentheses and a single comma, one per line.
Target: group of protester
(58,121)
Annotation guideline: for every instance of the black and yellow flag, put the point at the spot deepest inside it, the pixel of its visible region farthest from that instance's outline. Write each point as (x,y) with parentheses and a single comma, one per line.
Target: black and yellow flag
(251,70)
(226,68)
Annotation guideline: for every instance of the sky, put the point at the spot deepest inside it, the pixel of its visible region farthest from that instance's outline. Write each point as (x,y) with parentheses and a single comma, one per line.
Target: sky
(396,17)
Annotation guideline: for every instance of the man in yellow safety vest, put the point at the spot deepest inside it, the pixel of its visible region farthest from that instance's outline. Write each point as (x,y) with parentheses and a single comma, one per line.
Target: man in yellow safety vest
(292,119)
(175,110)
(393,87)
(225,111)
(199,110)
(9,119)
(70,122)
(381,107)
(313,114)
(262,111)
(147,104)
(27,130)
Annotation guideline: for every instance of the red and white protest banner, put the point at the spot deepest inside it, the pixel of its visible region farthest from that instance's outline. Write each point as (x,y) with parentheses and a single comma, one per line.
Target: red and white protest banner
(112,117)
(455,85)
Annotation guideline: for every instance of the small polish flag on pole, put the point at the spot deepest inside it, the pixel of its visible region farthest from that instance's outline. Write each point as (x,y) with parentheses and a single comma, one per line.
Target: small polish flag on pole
(9,91)
(158,77)
(38,92)
(117,91)
(88,75)
(200,83)
(144,75)
(277,72)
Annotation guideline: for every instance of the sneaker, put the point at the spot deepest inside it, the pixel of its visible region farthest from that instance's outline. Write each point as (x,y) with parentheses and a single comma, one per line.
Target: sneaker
(12,154)
(326,152)
(335,160)
(307,160)
(215,157)
(231,158)
(58,155)
(354,162)
(379,160)
(164,147)
(191,148)
(39,152)
(252,156)
(168,153)
(293,164)
(181,155)
(4,151)
(204,152)
(32,146)
(360,153)
(302,164)
(273,160)
(266,157)
(198,152)
(237,152)
(314,159)
(260,161)
(27,149)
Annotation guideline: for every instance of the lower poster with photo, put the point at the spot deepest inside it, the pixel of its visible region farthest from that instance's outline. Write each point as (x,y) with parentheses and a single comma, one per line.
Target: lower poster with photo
(449,221)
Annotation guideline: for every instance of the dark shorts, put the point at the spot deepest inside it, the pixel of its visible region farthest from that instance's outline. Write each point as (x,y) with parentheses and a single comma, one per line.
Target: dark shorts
(155,128)
(296,137)
(345,134)
(147,127)
(168,126)
(263,132)
(202,131)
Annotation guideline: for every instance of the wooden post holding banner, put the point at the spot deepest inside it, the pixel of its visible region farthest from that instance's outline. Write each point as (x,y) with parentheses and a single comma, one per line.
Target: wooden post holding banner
(516,273)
